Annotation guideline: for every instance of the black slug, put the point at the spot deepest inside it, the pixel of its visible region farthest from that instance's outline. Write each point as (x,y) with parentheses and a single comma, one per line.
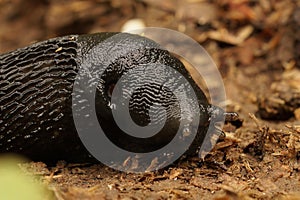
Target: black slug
(36,98)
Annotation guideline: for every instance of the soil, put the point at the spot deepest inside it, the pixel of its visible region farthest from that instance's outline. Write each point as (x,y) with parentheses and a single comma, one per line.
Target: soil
(256,46)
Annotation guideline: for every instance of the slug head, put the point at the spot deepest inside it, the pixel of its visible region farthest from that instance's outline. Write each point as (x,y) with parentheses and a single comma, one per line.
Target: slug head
(157,94)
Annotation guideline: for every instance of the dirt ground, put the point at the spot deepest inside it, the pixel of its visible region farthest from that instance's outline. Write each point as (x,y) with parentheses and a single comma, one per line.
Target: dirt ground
(255,44)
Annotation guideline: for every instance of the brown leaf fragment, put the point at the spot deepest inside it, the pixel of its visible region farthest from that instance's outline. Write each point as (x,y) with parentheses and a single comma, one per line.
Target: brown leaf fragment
(223,35)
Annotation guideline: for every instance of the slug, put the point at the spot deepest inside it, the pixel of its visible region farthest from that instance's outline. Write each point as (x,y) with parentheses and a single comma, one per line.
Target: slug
(36,117)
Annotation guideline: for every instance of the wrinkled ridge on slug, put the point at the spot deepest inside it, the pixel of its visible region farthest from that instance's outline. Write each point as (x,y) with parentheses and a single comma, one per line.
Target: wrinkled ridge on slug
(36,85)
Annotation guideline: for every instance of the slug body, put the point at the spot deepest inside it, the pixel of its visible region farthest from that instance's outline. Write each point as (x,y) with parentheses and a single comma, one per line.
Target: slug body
(36,117)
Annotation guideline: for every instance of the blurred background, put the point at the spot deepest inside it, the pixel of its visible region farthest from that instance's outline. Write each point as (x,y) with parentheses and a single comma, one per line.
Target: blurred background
(257,26)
